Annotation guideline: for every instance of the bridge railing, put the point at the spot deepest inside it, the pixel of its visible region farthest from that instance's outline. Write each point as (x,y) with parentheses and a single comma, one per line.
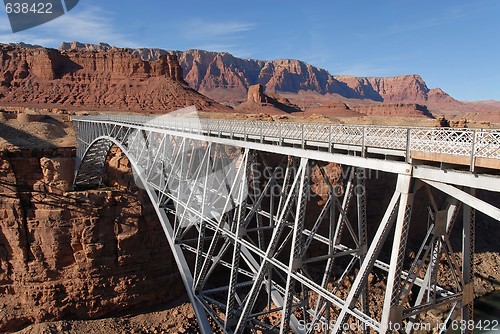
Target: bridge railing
(473,143)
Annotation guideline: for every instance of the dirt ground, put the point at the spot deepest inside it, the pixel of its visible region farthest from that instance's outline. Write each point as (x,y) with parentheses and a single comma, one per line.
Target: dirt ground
(177,317)
(36,130)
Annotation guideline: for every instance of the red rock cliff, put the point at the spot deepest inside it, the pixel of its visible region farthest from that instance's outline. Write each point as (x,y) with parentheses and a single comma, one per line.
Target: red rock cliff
(226,78)
(76,254)
(111,79)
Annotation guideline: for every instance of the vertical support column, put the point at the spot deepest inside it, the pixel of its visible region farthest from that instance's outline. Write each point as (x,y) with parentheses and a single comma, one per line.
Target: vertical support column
(372,254)
(295,262)
(349,189)
(202,226)
(392,311)
(263,270)
(360,192)
(468,244)
(332,228)
(240,222)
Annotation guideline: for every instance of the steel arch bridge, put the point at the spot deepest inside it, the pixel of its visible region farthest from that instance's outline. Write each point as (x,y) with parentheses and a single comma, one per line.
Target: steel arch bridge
(259,249)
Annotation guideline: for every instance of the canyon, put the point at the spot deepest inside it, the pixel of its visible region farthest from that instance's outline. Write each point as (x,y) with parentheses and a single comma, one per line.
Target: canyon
(68,255)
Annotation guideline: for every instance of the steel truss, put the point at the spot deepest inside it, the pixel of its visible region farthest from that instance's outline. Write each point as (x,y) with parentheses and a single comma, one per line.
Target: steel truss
(260,251)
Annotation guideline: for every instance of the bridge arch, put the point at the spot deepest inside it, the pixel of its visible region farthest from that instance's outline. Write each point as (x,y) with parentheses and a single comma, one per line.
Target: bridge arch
(86,168)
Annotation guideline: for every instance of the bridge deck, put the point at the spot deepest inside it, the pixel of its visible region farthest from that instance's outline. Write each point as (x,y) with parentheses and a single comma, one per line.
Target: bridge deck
(468,147)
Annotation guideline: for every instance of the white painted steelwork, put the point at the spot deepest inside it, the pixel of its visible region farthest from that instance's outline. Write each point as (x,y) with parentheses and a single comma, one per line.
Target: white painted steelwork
(265,254)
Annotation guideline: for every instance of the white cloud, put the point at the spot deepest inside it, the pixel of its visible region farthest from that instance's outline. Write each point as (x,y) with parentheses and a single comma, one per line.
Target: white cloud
(319,49)
(84,24)
(206,30)
(449,15)
(226,36)
(364,70)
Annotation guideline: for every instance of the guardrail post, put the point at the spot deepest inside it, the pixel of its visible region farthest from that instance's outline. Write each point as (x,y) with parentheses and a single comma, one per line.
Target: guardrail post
(472,152)
(261,132)
(408,145)
(330,144)
(280,125)
(363,147)
(302,130)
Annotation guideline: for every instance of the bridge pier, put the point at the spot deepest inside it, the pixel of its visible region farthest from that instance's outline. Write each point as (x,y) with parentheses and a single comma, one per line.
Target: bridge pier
(274,236)
(468,246)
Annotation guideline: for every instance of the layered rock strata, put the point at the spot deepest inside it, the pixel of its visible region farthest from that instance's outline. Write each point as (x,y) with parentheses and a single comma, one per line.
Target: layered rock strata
(76,255)
(109,80)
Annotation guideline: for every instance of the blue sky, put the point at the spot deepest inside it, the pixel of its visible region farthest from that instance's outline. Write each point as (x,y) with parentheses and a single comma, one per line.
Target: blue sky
(454,45)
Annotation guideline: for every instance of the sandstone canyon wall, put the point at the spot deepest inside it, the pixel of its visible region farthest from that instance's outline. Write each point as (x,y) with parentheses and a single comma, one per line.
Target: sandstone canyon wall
(76,255)
(103,77)
(394,110)
(211,72)
(220,73)
(113,79)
